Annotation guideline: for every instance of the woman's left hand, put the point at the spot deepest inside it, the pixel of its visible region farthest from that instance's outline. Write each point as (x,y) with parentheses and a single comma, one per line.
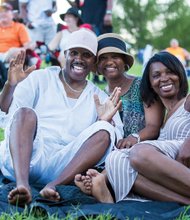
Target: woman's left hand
(127,142)
(107,110)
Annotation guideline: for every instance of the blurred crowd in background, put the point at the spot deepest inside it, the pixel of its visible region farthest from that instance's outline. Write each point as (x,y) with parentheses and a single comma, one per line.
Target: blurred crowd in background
(29,25)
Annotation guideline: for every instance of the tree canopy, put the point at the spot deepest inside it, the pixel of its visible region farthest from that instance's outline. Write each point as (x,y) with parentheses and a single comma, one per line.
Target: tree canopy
(153,22)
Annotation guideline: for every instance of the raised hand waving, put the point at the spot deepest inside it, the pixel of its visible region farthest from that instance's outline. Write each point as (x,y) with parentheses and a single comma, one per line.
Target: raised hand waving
(107,110)
(16,72)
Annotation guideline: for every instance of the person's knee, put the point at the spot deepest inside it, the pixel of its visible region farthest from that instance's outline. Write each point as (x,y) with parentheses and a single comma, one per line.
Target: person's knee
(104,136)
(25,114)
(139,156)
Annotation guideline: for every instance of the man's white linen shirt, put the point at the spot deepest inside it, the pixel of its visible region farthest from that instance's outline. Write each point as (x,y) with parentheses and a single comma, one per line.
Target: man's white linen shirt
(59,123)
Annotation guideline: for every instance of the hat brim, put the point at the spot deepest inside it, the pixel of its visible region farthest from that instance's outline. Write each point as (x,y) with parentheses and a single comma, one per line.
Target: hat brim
(80,21)
(129,60)
(80,46)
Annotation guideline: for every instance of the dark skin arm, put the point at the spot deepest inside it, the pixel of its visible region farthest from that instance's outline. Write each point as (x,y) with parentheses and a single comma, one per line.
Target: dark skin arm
(108,16)
(23,12)
(153,118)
(51,11)
(23,15)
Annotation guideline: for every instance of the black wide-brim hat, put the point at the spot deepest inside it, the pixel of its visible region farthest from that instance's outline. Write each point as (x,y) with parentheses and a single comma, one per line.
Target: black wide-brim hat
(72,11)
(114,43)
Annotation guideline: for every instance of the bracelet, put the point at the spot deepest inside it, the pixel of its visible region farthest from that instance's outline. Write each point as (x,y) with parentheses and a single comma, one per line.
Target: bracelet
(108,12)
(137,136)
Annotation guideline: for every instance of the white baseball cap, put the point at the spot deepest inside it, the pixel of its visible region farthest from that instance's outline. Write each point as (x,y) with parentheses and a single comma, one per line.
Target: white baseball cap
(83,38)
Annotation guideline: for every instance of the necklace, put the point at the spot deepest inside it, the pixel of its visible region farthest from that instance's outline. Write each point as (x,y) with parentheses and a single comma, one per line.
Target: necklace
(73,90)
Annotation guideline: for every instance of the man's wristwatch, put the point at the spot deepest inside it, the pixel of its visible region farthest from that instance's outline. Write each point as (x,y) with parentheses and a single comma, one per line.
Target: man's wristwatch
(137,136)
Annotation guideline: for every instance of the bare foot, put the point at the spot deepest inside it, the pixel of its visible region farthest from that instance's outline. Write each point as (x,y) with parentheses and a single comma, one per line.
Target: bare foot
(99,188)
(21,195)
(84,183)
(50,193)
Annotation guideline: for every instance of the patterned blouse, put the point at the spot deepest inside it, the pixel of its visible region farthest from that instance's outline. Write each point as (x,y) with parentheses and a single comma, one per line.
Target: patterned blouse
(132,113)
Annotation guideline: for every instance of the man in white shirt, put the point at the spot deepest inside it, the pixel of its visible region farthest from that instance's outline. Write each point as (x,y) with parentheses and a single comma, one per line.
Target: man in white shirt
(58,123)
(37,16)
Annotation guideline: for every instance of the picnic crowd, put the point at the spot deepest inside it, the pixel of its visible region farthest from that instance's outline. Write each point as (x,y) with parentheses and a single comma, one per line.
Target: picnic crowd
(130,141)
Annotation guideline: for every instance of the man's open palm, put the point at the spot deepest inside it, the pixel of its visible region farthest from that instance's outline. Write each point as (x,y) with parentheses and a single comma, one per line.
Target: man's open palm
(107,110)
(16,72)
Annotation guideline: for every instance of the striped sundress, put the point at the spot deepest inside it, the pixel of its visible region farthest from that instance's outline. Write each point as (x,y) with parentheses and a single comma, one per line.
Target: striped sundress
(121,174)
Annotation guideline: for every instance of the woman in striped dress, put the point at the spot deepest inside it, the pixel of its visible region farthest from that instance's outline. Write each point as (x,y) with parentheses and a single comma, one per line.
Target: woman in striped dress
(159,169)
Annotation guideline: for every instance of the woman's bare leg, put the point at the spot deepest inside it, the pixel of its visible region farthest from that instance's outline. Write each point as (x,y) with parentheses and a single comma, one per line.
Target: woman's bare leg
(161,169)
(154,191)
(142,187)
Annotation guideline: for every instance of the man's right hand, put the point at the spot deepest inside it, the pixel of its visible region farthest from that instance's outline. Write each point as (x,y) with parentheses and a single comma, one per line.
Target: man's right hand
(16,72)
(107,110)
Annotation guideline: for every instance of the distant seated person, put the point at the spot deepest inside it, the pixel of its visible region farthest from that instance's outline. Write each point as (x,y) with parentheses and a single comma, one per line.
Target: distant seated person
(14,36)
(37,15)
(182,54)
(73,22)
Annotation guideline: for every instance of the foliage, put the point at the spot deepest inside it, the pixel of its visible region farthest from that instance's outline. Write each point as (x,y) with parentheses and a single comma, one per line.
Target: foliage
(136,69)
(152,22)
(176,17)
(136,17)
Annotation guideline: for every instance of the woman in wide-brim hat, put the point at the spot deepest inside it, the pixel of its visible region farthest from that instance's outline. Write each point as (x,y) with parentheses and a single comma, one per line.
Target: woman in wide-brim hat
(73,21)
(140,122)
(73,11)
(113,64)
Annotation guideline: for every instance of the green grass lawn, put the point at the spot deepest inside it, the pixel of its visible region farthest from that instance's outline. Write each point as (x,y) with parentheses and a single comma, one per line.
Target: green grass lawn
(136,69)
(38,215)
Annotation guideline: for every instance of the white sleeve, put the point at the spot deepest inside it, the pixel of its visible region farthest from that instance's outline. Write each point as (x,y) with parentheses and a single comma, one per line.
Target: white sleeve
(24,96)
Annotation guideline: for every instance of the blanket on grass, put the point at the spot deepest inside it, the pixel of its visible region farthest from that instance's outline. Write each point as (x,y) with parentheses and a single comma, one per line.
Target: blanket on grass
(79,205)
